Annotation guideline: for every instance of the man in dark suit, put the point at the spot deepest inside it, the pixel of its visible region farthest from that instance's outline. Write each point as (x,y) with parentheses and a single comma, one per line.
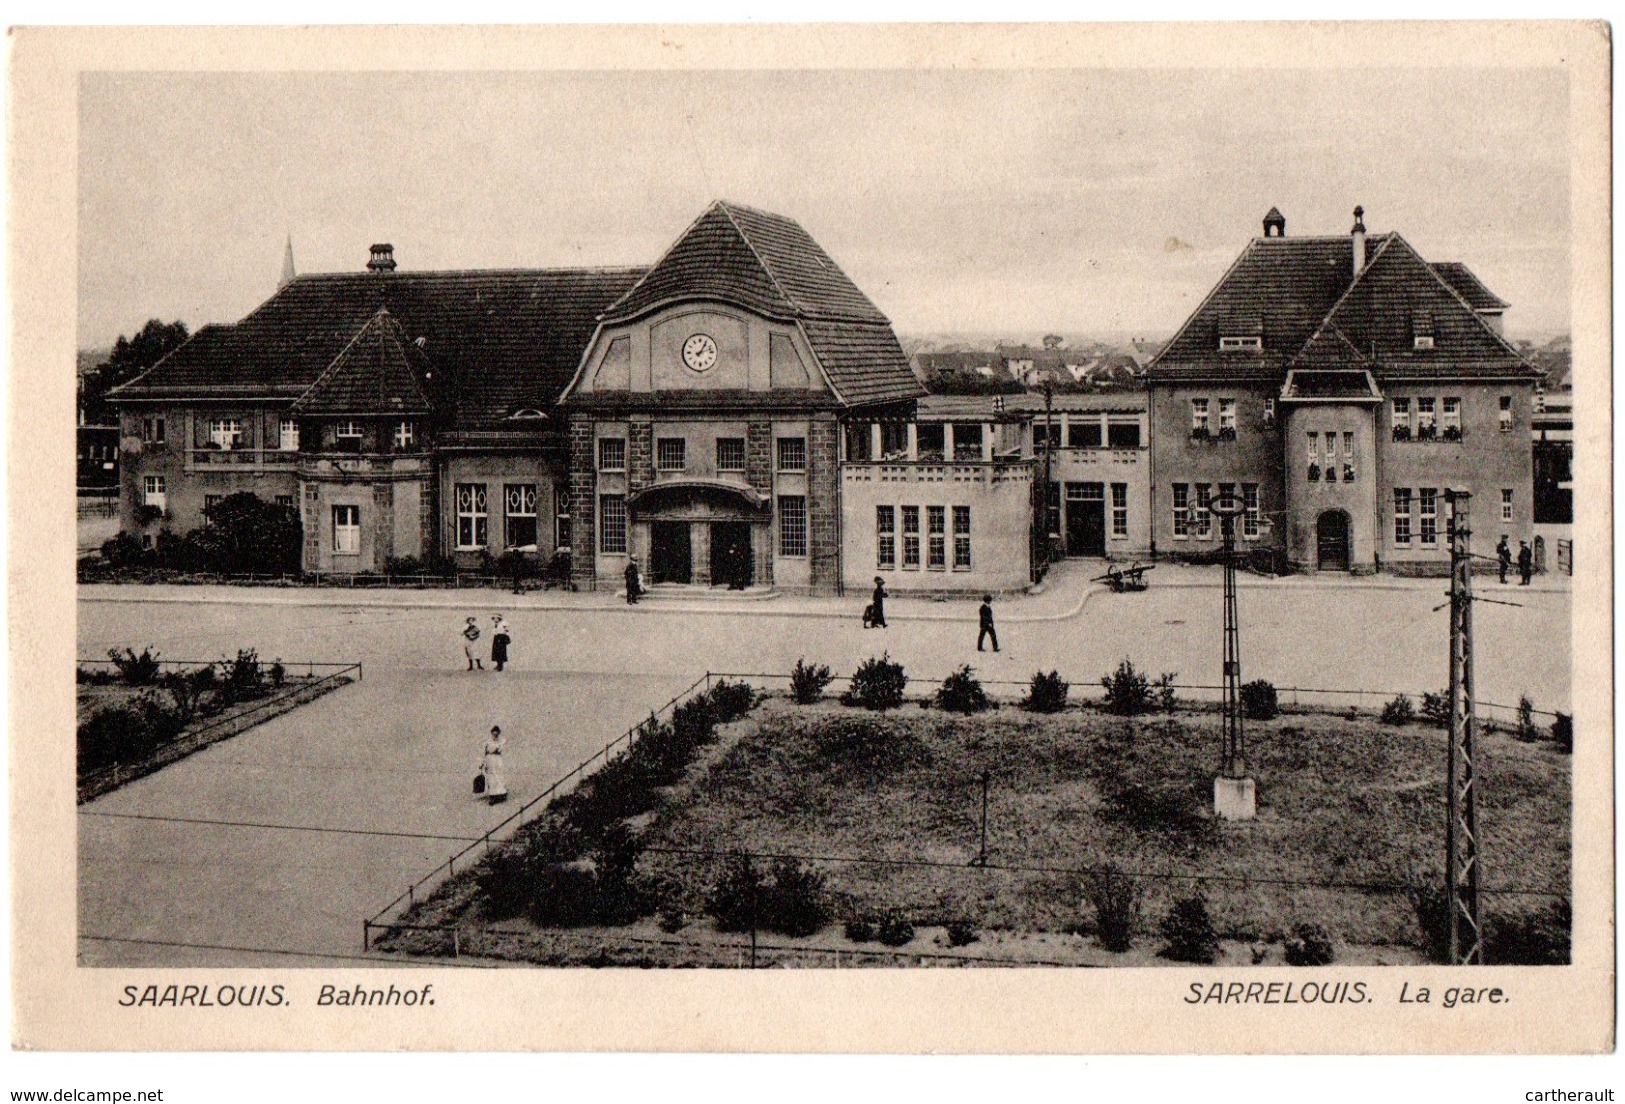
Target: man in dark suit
(987,631)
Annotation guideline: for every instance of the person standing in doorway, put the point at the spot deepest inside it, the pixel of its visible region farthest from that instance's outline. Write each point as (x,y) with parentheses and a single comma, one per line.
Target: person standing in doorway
(496,778)
(499,641)
(1503,558)
(471,639)
(1526,563)
(877,608)
(634,585)
(987,632)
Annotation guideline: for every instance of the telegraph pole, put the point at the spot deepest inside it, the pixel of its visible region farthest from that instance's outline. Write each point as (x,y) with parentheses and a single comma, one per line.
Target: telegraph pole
(1235,795)
(1461,828)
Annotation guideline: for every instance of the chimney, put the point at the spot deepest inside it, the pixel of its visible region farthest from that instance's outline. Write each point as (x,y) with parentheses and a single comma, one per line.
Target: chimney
(1359,240)
(1275,224)
(383,258)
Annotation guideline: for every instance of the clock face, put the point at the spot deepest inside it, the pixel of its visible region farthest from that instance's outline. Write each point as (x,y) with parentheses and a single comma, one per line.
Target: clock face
(700,352)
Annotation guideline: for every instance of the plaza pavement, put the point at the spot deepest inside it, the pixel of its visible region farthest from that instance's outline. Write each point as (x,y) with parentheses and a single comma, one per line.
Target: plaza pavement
(395,753)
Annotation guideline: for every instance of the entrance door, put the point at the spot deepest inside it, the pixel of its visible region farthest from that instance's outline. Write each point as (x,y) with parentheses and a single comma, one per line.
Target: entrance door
(1332,535)
(671,558)
(1085,519)
(730,554)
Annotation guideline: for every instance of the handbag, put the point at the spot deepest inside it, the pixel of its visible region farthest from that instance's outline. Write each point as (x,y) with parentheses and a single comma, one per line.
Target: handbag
(479,782)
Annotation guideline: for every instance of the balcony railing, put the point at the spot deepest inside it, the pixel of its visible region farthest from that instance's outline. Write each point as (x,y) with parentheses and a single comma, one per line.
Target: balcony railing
(998,470)
(241,457)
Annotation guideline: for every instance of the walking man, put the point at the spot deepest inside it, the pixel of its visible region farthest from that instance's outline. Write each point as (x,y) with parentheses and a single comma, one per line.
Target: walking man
(634,586)
(987,631)
(471,637)
(1503,557)
(1526,563)
(877,605)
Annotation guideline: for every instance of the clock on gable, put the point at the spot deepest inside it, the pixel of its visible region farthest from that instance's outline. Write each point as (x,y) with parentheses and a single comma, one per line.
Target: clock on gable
(700,352)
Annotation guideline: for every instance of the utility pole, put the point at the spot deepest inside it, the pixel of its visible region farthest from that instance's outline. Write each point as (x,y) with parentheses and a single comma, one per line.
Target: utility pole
(1235,794)
(1461,828)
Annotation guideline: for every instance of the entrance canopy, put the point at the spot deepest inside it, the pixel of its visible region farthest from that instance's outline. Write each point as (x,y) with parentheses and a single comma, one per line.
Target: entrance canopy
(685,494)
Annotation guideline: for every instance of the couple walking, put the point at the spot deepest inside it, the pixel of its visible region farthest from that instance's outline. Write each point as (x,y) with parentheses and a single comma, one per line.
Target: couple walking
(500,639)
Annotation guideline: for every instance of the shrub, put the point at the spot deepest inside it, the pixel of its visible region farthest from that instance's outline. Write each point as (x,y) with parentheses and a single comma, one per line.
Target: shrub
(111,735)
(1526,719)
(1309,945)
(1168,810)
(798,904)
(1539,938)
(894,930)
(1563,732)
(671,919)
(808,681)
(186,691)
(1128,692)
(877,684)
(242,678)
(1116,900)
(1399,711)
(961,933)
(136,670)
(1188,930)
(1436,708)
(1165,700)
(860,930)
(147,513)
(1047,693)
(736,895)
(278,674)
(125,551)
(961,692)
(1258,700)
(729,701)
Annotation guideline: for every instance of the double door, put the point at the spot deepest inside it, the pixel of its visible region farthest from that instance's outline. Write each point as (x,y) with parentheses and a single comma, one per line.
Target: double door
(1085,519)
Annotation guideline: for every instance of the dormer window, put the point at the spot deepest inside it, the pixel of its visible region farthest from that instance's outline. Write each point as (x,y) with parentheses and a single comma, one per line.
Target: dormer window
(1422,332)
(348,431)
(1240,343)
(1424,341)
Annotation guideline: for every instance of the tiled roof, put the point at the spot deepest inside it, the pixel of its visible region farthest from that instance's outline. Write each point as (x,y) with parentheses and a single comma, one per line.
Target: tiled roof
(1465,284)
(760,261)
(1300,296)
(495,341)
(865,364)
(380,372)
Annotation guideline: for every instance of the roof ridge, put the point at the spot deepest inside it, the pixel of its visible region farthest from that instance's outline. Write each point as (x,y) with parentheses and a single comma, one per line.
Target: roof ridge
(1442,282)
(332,365)
(652,269)
(773,277)
(605,270)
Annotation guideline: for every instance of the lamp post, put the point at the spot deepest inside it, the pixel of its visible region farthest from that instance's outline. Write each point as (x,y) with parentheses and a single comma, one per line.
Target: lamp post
(1235,794)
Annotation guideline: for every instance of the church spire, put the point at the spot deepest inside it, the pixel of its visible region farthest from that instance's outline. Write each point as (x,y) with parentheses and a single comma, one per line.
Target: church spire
(287,265)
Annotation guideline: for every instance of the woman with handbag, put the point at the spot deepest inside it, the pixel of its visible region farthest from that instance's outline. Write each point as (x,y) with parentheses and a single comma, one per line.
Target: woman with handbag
(492,781)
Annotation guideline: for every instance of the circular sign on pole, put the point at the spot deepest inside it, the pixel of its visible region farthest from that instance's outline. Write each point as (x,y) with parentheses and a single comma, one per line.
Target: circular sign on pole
(1227,505)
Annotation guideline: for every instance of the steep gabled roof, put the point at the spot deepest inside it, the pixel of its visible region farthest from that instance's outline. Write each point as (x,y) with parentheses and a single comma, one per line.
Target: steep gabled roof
(380,372)
(496,341)
(1467,285)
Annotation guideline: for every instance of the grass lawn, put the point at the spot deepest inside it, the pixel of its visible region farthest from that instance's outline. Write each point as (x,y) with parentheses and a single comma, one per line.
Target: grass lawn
(1340,800)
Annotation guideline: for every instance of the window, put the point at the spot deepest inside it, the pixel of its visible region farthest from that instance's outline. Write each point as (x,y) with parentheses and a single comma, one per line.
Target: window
(225,433)
(893,440)
(1426,425)
(1121,435)
(1402,515)
(1227,417)
(671,454)
(1314,457)
(1506,413)
(519,515)
(731,453)
(1241,344)
(1182,521)
(1506,503)
(1402,419)
(210,501)
(968,441)
(612,524)
(911,537)
(1040,435)
(1119,510)
(285,500)
(1348,456)
(1451,421)
(1428,511)
(1198,417)
(1269,410)
(885,537)
(347,530)
(152,430)
(792,525)
(1250,519)
(859,443)
(471,515)
(1202,522)
(611,454)
(350,431)
(961,538)
(405,434)
(1083,434)
(792,454)
(561,515)
(1054,507)
(936,526)
(929,438)
(1424,341)
(288,435)
(153,492)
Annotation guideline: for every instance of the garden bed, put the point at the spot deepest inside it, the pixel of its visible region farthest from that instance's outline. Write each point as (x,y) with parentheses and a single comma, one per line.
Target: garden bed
(1350,814)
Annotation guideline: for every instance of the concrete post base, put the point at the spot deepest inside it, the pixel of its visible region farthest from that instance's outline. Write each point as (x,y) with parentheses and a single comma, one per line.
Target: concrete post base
(1235,798)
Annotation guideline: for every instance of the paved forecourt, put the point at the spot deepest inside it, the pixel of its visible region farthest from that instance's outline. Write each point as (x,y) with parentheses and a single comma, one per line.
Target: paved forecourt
(397,752)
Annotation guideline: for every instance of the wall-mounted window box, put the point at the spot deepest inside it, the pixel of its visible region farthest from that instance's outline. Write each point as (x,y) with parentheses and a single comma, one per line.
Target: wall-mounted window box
(1314,473)
(1200,433)
(1451,433)
(1402,433)
(1427,433)
(1226,433)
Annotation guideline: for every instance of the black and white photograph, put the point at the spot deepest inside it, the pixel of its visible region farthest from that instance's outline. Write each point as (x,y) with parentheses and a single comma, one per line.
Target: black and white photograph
(1084,520)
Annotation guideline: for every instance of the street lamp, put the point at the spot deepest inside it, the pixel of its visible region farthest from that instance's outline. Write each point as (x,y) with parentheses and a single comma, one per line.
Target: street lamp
(1235,795)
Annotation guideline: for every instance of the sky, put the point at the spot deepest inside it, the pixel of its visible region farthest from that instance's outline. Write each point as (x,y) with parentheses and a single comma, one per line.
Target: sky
(1097,201)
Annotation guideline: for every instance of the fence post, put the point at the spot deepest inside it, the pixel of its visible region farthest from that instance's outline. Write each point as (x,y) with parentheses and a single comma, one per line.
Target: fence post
(411,896)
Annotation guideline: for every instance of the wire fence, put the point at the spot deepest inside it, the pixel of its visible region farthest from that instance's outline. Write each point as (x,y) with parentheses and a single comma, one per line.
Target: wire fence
(310,667)
(946,897)
(338,579)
